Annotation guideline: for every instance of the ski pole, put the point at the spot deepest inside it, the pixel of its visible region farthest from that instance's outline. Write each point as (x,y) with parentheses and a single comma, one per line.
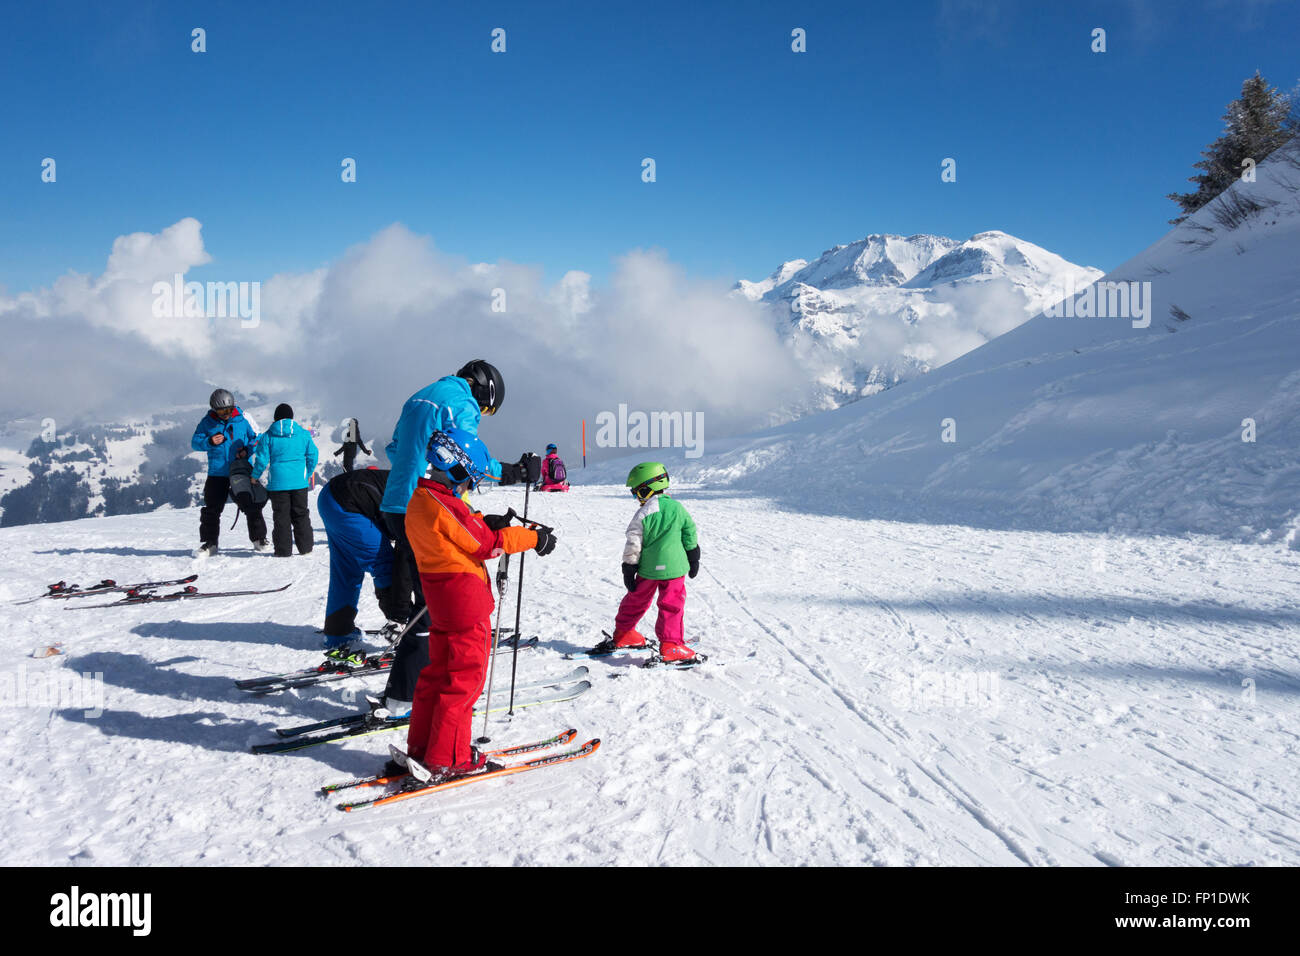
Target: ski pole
(519,605)
(503,575)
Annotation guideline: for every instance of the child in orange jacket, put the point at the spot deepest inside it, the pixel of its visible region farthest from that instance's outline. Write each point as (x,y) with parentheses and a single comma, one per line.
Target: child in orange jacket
(451,541)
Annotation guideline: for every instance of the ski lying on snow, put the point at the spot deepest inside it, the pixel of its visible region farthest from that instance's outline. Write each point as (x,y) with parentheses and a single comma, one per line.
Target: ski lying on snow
(417,790)
(577,674)
(62,589)
(373,725)
(559,740)
(509,642)
(189,593)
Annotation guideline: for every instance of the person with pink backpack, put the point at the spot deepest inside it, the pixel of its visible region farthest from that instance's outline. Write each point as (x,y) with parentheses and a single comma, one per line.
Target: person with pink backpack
(554,477)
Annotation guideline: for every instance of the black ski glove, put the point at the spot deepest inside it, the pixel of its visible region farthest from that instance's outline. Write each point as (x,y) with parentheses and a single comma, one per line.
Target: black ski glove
(511,474)
(530,467)
(497,522)
(545,542)
(629,576)
(693,556)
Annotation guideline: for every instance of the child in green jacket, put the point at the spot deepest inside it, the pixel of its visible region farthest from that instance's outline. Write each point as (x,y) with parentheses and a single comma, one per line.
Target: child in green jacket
(661,552)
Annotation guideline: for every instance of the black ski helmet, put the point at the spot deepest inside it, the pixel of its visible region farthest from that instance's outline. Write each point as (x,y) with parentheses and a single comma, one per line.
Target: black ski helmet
(221,399)
(486,384)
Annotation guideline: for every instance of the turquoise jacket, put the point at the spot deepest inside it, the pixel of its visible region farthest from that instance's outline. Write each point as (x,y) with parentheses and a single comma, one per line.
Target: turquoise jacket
(288,449)
(447,403)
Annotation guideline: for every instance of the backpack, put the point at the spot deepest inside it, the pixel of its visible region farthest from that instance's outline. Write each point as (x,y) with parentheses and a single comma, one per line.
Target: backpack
(558,473)
(241,472)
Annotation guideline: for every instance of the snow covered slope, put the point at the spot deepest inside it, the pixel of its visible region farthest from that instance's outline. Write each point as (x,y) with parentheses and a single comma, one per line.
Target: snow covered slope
(871,314)
(1086,423)
(877,693)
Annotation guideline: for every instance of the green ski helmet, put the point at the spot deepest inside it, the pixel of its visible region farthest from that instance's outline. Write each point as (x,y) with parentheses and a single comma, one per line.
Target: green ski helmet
(646,479)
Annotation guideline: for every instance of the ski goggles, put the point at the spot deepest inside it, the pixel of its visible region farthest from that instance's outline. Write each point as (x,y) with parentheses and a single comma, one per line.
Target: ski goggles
(643,491)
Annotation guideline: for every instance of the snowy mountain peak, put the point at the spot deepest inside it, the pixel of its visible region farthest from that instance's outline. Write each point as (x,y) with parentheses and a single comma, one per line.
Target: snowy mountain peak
(998,254)
(873,313)
(878,259)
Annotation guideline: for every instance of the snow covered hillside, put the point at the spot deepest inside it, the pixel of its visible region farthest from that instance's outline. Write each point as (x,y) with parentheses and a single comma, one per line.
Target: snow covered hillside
(99,468)
(1182,415)
(877,693)
(871,314)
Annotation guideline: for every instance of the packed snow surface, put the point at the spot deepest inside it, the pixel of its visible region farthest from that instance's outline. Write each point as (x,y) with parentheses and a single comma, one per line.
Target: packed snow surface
(877,693)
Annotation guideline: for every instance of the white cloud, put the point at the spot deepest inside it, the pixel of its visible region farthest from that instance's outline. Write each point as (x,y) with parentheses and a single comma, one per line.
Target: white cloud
(389,316)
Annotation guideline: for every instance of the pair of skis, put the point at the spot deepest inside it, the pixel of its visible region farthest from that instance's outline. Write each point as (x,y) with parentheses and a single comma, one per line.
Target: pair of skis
(409,786)
(551,690)
(606,648)
(136,596)
(63,590)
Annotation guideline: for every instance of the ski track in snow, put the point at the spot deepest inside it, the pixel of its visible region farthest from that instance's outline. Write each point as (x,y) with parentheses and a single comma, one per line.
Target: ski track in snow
(1103,719)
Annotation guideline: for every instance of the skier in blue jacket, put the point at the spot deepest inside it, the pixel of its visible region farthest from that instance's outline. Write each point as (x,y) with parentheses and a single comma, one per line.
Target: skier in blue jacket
(288,449)
(219,433)
(454,401)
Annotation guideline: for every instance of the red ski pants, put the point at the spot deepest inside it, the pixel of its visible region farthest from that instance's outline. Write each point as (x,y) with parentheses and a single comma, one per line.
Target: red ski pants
(442,713)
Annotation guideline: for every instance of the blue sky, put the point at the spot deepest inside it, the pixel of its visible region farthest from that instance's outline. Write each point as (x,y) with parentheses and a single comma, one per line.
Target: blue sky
(535,155)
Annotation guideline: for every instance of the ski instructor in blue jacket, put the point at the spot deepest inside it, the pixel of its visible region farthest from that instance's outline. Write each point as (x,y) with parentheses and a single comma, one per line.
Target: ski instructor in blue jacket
(454,401)
(220,433)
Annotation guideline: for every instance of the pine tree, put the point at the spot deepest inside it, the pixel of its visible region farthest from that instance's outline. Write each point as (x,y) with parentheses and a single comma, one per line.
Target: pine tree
(1256,124)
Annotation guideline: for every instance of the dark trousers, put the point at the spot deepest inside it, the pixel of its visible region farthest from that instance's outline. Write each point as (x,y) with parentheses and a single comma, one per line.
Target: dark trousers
(215,492)
(349,454)
(291,522)
(406,576)
(412,655)
(256,523)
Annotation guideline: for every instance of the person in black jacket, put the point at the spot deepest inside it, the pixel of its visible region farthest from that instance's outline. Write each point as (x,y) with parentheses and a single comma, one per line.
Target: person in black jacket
(349,507)
(351,441)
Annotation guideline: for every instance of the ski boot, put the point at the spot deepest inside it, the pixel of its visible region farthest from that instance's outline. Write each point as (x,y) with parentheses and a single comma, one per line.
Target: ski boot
(206,550)
(675,655)
(262,545)
(397,764)
(622,640)
(389,708)
(424,776)
(338,648)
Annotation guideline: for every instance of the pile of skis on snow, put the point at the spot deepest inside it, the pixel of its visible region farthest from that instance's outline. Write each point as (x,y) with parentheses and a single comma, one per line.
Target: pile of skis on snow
(142,592)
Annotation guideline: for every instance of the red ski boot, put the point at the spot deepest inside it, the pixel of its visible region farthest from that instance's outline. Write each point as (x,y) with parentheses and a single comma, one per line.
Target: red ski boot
(675,653)
(630,638)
